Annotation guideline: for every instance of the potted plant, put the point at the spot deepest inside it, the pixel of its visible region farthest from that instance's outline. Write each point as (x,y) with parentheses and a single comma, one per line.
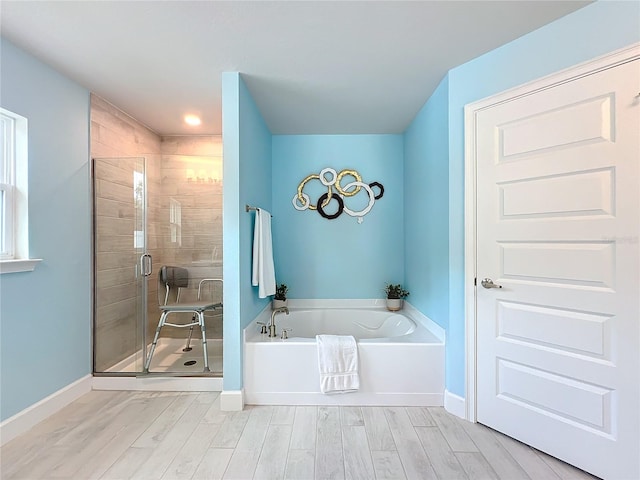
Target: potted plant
(280,298)
(395,296)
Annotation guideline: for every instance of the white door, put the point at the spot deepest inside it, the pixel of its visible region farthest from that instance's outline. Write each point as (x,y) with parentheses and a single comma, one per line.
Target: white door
(558,220)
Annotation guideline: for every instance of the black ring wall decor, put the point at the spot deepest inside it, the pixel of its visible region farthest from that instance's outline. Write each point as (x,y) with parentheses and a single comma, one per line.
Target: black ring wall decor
(331,179)
(379,185)
(321,211)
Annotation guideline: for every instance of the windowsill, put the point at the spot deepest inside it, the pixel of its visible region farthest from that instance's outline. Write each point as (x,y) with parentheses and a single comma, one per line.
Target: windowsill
(14,266)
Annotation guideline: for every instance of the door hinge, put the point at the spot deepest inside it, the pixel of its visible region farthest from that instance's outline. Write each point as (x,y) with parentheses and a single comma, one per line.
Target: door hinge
(475,282)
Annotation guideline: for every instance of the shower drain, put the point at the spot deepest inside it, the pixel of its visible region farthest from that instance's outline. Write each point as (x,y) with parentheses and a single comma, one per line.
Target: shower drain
(189,363)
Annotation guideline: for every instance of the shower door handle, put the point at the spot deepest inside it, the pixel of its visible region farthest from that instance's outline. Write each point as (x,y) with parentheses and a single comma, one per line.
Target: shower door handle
(146,264)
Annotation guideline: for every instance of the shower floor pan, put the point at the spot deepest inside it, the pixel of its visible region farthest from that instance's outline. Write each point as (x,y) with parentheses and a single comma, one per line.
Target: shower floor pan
(170,358)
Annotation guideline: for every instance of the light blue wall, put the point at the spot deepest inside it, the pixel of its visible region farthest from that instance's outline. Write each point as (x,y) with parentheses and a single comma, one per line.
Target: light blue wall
(45,315)
(426,229)
(247,180)
(321,258)
(592,31)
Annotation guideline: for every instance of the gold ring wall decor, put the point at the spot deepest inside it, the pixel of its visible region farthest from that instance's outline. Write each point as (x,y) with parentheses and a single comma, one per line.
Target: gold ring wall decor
(357,178)
(330,179)
(313,176)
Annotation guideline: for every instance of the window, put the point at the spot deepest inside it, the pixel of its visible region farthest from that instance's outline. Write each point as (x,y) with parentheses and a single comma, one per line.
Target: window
(175,221)
(14,220)
(138,201)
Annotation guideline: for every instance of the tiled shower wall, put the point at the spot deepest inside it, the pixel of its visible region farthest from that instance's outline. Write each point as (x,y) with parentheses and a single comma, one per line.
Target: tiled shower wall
(184,174)
(191,196)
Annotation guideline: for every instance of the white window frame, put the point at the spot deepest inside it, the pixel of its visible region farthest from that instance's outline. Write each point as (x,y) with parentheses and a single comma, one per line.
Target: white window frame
(14,187)
(7,187)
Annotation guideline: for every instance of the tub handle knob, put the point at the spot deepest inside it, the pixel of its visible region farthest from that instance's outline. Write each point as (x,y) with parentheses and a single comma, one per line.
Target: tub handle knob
(284,335)
(263,329)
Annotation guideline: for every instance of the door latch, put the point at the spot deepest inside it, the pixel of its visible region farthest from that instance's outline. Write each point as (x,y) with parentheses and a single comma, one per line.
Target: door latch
(488,283)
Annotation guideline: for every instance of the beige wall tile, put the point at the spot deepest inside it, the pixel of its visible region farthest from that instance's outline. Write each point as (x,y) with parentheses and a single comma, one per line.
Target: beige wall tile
(210,145)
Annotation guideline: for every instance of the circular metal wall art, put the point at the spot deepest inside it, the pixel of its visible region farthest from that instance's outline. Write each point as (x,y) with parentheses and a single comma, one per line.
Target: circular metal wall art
(380,187)
(372,199)
(332,179)
(323,178)
(321,211)
(343,191)
(313,176)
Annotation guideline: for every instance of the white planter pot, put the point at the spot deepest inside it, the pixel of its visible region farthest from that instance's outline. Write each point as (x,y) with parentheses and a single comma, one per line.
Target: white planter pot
(278,304)
(395,304)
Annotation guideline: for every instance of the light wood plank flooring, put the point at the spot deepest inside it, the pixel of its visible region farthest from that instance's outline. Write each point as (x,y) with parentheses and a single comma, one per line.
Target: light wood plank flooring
(168,435)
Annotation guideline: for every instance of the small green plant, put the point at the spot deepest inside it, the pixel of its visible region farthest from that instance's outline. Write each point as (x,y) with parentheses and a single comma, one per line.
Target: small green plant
(395,291)
(281,292)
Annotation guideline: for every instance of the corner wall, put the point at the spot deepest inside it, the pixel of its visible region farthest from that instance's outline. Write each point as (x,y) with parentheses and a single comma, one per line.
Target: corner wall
(45,315)
(247,180)
(426,185)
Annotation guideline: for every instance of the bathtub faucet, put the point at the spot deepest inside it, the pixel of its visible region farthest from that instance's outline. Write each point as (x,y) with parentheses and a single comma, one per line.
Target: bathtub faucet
(272,324)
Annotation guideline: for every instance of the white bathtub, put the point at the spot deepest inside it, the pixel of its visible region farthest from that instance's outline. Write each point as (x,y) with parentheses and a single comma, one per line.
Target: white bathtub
(401,355)
(363,323)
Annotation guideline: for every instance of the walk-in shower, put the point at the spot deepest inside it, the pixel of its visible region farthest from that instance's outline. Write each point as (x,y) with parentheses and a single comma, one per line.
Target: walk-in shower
(151,211)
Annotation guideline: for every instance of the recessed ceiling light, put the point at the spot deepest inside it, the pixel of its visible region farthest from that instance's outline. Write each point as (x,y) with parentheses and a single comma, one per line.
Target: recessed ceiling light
(192,120)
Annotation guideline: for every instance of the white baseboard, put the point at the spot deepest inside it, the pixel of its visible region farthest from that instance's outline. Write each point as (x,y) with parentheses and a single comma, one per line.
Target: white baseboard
(454,404)
(159,384)
(30,416)
(232,400)
(353,398)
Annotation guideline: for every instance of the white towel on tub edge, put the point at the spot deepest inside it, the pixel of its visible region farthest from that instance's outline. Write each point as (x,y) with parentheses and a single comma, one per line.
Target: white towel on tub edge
(338,363)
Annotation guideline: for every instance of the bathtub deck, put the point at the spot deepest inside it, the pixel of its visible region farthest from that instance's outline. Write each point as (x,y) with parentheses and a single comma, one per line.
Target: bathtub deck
(174,435)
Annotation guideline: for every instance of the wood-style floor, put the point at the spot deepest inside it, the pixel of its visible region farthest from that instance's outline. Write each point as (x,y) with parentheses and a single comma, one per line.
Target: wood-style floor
(153,435)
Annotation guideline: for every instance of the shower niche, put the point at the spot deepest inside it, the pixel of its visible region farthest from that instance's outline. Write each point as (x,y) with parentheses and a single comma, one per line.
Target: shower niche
(148,211)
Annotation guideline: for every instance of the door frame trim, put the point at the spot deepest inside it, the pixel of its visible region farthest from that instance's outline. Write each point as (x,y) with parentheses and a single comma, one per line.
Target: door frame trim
(598,64)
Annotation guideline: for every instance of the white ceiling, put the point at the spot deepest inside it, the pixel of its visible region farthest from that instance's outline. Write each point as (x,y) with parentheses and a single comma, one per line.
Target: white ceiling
(312,67)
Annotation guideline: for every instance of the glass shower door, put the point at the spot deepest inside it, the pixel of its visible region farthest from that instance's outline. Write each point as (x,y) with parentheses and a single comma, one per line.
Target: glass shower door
(122,265)
(167,207)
